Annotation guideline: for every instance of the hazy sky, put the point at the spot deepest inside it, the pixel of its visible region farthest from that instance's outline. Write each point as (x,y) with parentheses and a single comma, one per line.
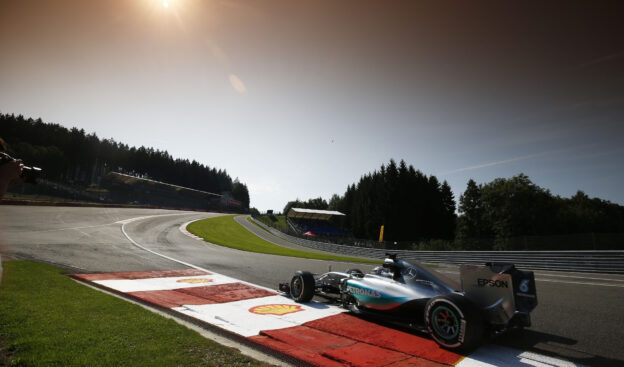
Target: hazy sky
(298,99)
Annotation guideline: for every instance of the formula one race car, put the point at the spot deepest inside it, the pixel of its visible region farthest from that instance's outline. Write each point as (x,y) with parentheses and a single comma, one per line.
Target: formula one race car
(491,299)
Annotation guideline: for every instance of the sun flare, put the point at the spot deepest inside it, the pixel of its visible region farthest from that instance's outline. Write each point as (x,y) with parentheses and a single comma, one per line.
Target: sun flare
(165,4)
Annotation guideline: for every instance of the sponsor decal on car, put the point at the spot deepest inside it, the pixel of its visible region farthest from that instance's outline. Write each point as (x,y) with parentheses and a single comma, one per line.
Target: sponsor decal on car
(492,283)
(462,331)
(195,281)
(524,285)
(277,310)
(363,292)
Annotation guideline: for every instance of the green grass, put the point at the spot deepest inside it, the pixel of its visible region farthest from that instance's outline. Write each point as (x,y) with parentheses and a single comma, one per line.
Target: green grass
(47,319)
(275,221)
(225,231)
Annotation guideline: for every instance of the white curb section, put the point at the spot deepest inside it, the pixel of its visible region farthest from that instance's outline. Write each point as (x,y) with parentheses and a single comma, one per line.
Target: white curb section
(187,233)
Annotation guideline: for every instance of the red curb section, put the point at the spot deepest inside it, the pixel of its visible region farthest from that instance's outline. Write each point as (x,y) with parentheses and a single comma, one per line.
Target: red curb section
(169,299)
(227,292)
(327,348)
(367,332)
(311,358)
(309,339)
(332,341)
(365,355)
(206,295)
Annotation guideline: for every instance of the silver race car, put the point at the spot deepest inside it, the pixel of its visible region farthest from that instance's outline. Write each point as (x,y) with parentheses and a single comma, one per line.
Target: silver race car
(490,299)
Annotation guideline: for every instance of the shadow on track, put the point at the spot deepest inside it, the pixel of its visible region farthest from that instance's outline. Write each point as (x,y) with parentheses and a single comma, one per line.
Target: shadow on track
(552,345)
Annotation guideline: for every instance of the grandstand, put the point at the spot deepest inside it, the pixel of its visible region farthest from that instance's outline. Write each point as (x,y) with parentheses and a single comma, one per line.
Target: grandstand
(312,222)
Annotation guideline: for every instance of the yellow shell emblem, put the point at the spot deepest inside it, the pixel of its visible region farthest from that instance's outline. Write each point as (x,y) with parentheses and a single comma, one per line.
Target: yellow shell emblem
(195,281)
(278,310)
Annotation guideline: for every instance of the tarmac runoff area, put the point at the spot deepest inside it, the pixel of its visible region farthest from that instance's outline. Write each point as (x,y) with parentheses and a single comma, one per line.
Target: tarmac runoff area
(311,333)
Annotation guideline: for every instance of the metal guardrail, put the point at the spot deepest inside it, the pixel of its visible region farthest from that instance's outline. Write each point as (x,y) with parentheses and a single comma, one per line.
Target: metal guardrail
(579,261)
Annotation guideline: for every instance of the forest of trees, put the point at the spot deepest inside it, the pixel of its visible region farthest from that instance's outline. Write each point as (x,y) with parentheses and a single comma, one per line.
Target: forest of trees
(410,205)
(509,208)
(71,155)
(505,214)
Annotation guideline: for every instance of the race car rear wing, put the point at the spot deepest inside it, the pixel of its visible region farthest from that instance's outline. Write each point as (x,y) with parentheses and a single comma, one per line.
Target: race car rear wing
(501,290)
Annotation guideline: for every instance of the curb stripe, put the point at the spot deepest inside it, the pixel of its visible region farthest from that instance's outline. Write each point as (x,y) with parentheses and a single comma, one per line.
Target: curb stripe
(365,355)
(367,332)
(313,359)
(227,292)
(183,229)
(168,298)
(315,333)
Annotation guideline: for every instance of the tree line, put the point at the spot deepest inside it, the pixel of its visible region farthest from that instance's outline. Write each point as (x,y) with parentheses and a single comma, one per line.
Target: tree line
(415,207)
(514,207)
(72,155)
(409,204)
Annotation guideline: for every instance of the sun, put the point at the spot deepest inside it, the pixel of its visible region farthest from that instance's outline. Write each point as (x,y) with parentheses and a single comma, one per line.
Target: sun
(165,4)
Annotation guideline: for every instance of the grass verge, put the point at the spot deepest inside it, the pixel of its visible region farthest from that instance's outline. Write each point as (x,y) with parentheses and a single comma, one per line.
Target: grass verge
(275,221)
(225,231)
(48,319)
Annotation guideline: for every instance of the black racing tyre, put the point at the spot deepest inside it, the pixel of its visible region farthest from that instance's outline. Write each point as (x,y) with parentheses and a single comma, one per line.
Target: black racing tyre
(354,272)
(454,322)
(302,286)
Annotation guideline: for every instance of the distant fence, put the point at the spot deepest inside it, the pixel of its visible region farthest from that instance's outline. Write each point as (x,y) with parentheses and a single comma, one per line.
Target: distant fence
(583,261)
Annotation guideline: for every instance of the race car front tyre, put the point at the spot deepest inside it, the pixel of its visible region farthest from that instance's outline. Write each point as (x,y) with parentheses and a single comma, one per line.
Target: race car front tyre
(302,286)
(454,322)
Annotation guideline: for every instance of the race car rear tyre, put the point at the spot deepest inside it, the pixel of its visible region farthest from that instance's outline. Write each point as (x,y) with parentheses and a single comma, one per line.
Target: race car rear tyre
(454,322)
(302,286)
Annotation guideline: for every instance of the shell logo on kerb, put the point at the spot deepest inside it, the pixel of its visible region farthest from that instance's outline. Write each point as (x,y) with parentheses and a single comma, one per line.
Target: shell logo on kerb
(278,310)
(195,281)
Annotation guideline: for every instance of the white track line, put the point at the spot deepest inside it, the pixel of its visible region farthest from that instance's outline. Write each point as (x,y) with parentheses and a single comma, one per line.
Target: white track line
(123,230)
(495,355)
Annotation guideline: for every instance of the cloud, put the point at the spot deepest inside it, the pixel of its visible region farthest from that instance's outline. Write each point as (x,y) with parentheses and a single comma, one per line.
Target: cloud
(595,61)
(238,84)
(496,163)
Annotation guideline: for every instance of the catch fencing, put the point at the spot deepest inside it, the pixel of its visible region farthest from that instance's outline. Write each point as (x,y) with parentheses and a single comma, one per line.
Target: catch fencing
(580,261)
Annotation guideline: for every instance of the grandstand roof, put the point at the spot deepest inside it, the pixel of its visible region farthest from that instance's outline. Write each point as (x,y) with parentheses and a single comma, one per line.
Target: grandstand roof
(312,213)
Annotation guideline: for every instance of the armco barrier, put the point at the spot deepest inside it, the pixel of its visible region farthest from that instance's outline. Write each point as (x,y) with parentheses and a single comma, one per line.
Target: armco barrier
(100,205)
(582,261)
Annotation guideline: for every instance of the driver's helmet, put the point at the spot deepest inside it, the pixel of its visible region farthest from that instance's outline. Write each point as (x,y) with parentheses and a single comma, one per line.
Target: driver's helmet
(379,270)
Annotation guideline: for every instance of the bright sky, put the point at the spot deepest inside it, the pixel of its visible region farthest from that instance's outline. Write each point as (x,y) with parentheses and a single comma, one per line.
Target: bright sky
(298,99)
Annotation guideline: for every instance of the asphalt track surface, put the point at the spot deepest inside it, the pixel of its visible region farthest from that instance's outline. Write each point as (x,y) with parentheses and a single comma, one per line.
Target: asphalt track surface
(579,316)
